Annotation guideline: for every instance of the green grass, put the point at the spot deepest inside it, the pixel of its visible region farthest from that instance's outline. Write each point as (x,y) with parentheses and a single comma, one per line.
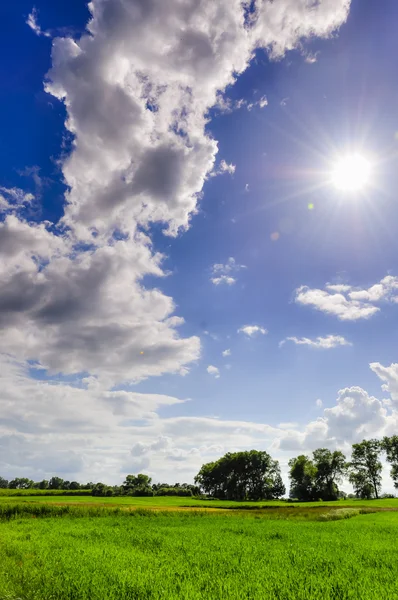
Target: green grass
(237,555)
(173,501)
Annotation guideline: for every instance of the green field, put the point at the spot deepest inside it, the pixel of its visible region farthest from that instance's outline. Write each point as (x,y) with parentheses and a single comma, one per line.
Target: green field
(91,549)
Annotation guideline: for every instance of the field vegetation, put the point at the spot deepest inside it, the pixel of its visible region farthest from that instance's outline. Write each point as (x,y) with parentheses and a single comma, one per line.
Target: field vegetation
(291,552)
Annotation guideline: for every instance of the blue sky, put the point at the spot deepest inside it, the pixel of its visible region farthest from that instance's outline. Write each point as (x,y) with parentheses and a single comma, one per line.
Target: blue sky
(228,141)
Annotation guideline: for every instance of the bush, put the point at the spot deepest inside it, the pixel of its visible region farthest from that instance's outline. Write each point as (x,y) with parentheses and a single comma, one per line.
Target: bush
(143,492)
(172,491)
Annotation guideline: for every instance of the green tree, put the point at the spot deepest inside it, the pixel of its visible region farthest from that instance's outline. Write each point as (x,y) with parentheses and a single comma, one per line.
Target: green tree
(74,485)
(390,446)
(21,483)
(137,485)
(3,483)
(251,475)
(365,468)
(43,485)
(101,489)
(330,470)
(55,483)
(302,476)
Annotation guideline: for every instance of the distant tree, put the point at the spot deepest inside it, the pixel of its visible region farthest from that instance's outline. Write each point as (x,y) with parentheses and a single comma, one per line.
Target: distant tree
(74,485)
(101,489)
(137,485)
(302,476)
(3,483)
(21,483)
(87,486)
(66,485)
(390,446)
(173,491)
(330,470)
(365,468)
(251,475)
(43,485)
(55,483)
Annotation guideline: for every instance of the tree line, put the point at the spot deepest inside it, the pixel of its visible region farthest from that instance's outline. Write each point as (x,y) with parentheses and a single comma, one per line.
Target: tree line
(317,478)
(133,485)
(255,475)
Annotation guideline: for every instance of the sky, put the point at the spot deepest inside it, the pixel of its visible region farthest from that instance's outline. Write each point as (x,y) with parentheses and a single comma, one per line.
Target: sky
(182,271)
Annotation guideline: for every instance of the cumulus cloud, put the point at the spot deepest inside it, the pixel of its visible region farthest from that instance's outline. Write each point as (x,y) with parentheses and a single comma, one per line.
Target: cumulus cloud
(227,352)
(88,312)
(356,416)
(223,274)
(213,371)
(330,341)
(252,330)
(389,375)
(348,303)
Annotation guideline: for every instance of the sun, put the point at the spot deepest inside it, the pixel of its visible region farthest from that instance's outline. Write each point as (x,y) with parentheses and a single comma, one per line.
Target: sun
(351,173)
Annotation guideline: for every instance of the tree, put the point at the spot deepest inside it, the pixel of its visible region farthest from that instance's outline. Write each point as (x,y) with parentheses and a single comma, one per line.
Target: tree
(330,469)
(365,468)
(101,489)
(55,483)
(302,476)
(74,485)
(390,446)
(251,475)
(43,485)
(3,483)
(137,485)
(20,483)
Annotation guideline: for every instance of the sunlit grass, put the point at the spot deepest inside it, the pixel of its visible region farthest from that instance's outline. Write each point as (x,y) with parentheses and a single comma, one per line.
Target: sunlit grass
(93,553)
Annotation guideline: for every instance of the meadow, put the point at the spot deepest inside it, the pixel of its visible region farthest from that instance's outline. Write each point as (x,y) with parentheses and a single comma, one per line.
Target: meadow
(58,549)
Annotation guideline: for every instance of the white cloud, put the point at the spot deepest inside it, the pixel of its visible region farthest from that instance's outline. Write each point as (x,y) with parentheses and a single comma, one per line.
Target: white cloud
(227,352)
(213,371)
(87,312)
(311,57)
(262,103)
(34,25)
(223,168)
(390,377)
(356,416)
(222,274)
(223,279)
(319,403)
(348,303)
(330,341)
(252,330)
(13,199)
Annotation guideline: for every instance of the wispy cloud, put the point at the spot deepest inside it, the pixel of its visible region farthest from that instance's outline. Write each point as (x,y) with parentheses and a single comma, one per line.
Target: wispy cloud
(330,341)
(32,21)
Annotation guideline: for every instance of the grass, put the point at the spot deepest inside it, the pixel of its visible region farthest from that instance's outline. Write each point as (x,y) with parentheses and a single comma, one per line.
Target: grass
(95,552)
(181,502)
